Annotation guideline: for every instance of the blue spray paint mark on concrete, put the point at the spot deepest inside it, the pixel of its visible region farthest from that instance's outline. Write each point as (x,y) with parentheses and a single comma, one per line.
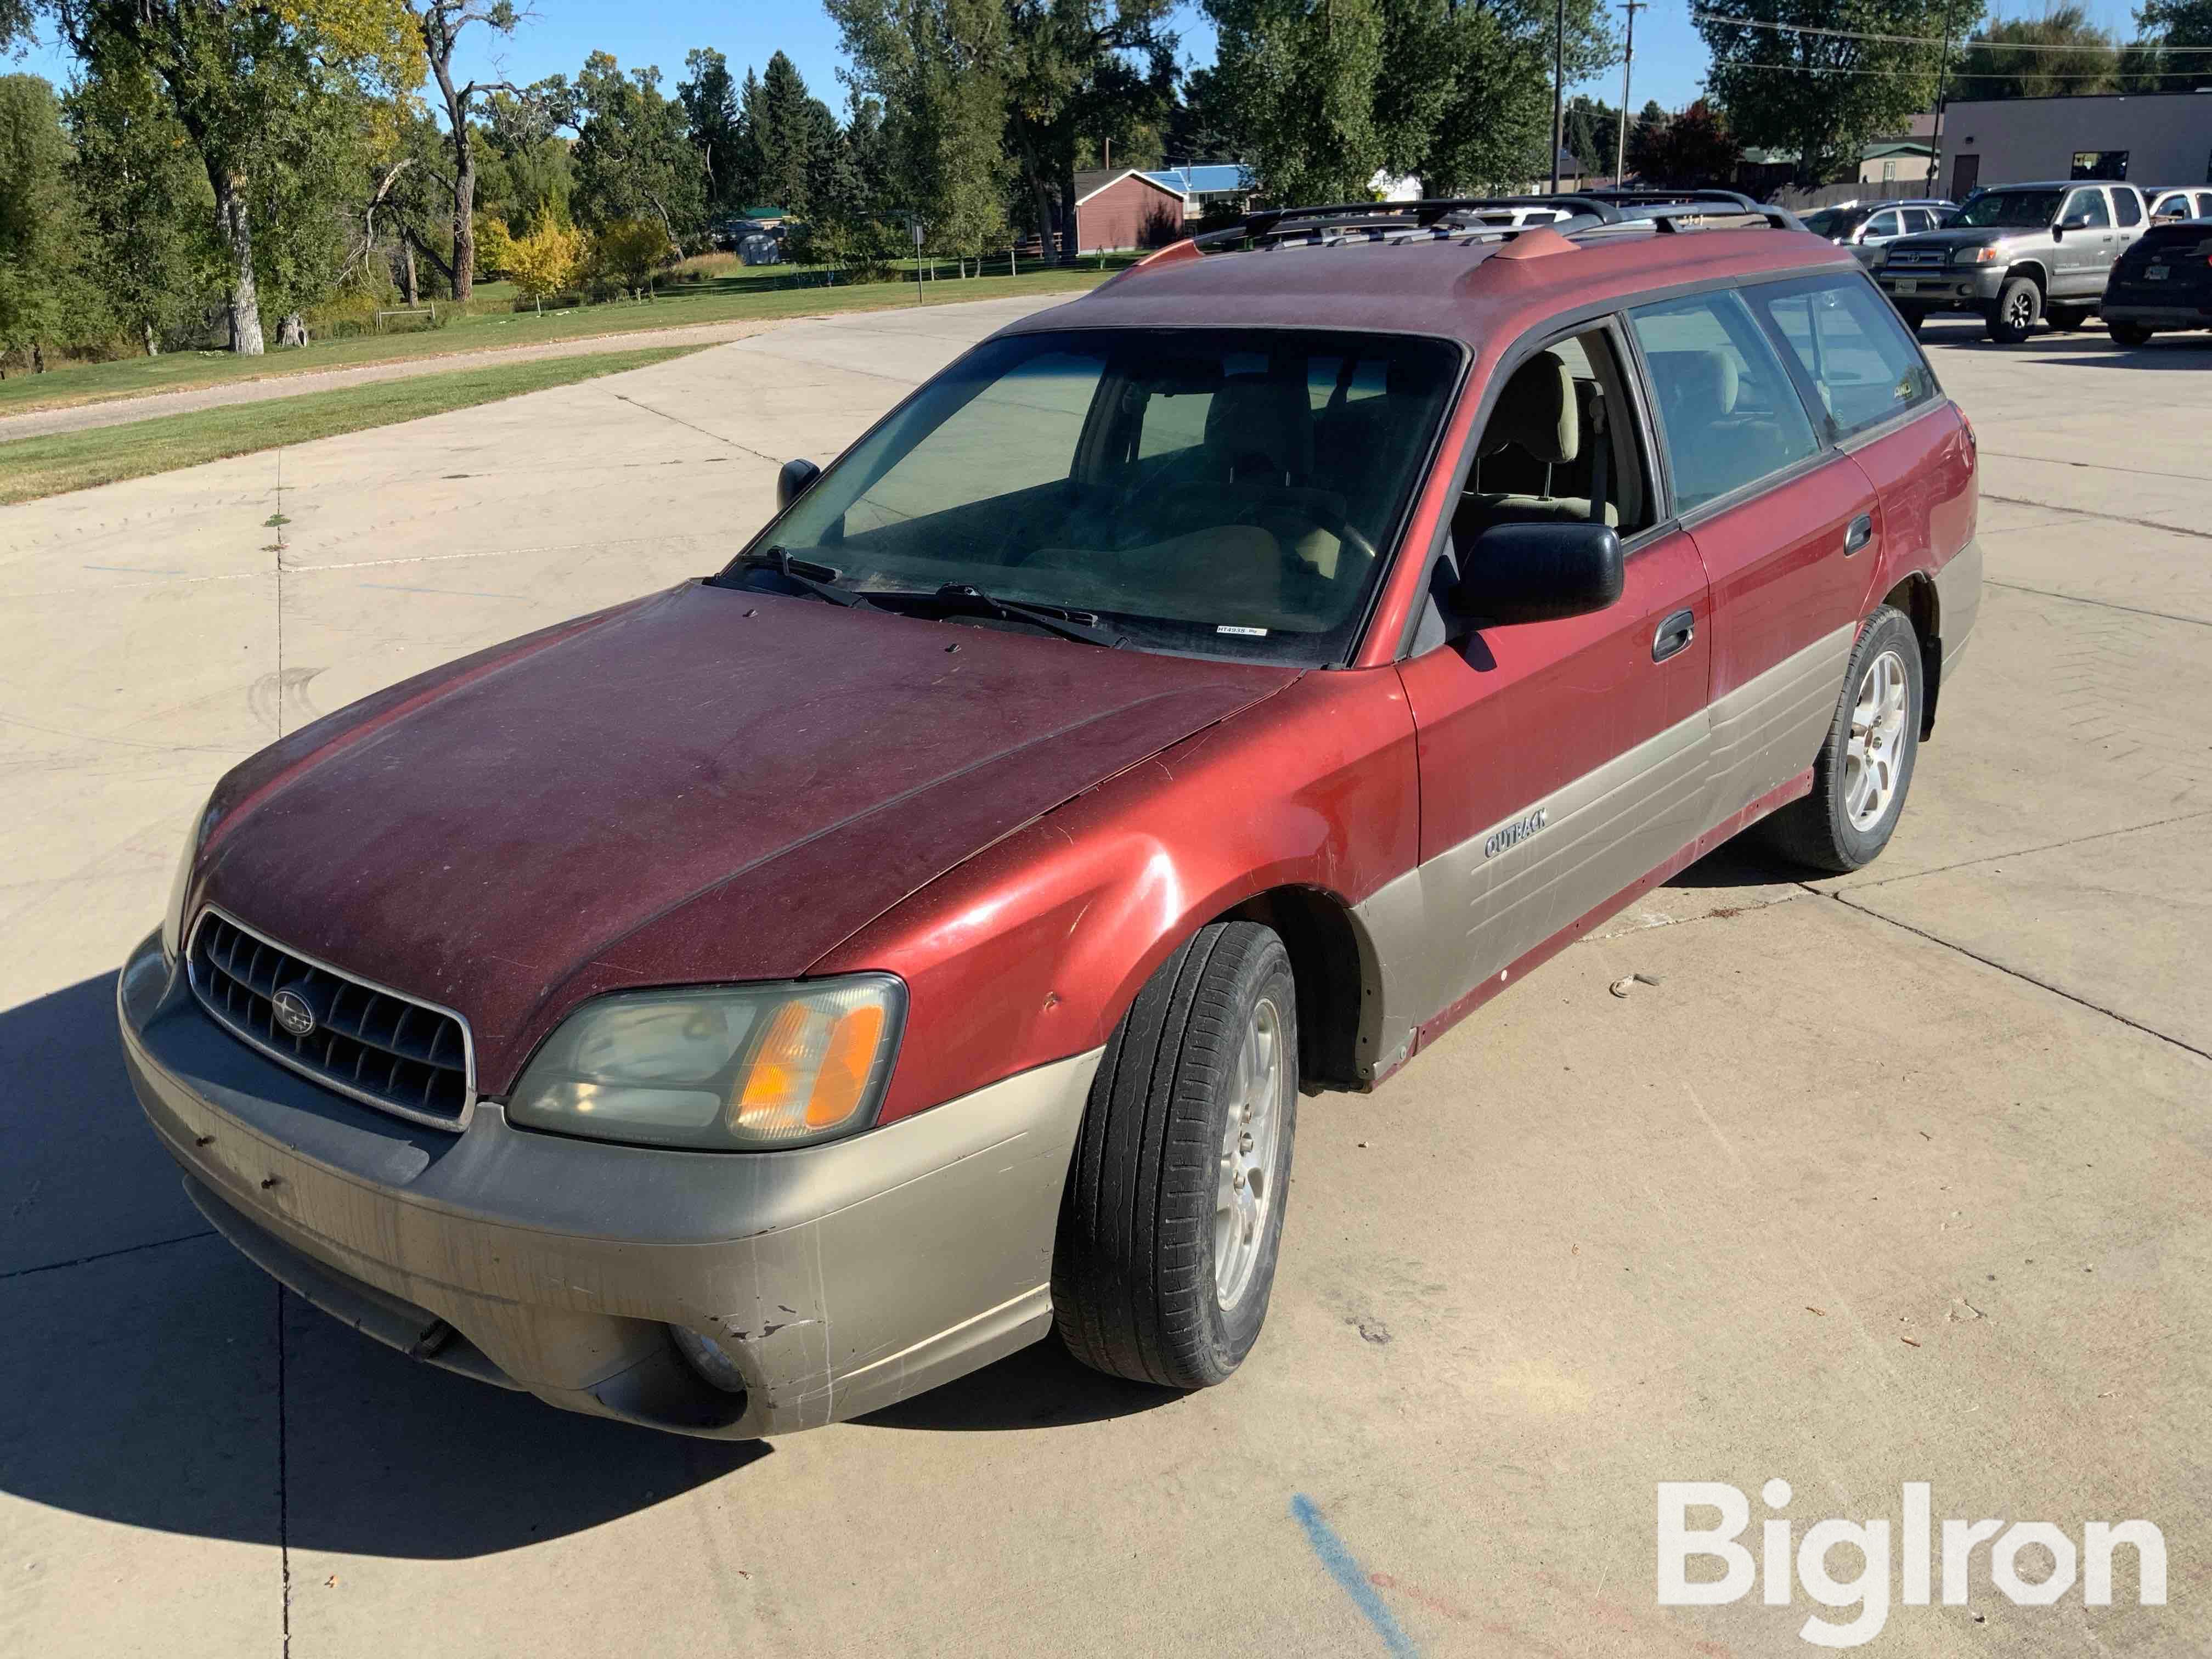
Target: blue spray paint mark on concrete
(1351,1576)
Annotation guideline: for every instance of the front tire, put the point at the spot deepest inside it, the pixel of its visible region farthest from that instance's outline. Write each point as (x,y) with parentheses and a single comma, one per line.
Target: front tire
(1865,768)
(1914,316)
(2130,334)
(2017,309)
(1173,1213)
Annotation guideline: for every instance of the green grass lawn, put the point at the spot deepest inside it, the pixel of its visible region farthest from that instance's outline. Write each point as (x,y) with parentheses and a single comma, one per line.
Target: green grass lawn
(32,467)
(736,297)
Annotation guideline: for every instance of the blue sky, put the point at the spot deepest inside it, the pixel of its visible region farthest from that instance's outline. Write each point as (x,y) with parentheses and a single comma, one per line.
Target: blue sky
(1670,58)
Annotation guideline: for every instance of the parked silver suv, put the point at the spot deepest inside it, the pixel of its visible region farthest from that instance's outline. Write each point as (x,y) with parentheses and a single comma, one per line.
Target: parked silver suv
(2016,255)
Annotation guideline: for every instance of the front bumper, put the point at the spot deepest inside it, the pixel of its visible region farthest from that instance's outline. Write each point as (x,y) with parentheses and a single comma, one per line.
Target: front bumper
(1960,288)
(839,1278)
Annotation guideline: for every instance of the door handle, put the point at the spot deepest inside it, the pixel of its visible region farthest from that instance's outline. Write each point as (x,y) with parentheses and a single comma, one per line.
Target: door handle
(1675,632)
(1860,533)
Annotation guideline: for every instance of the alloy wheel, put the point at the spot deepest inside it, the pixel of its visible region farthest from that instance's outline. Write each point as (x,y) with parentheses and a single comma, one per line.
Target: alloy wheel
(1246,1191)
(1876,754)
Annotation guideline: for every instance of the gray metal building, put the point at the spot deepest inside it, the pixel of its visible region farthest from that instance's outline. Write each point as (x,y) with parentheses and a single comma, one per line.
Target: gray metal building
(2145,138)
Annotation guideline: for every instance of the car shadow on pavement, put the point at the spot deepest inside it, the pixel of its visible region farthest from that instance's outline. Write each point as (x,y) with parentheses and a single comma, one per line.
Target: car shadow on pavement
(155,1378)
(1040,1386)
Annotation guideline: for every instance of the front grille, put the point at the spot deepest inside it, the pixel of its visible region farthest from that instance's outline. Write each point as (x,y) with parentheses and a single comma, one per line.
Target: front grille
(1917,259)
(382,1048)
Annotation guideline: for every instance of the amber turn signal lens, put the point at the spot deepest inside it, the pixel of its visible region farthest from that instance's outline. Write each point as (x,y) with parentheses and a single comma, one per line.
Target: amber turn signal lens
(810,1071)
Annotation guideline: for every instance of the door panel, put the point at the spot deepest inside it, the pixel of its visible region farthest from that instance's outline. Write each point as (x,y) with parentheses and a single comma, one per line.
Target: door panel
(1788,600)
(1560,762)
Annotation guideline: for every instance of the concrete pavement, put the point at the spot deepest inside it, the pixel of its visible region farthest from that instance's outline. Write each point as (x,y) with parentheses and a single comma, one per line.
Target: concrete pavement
(1900,1177)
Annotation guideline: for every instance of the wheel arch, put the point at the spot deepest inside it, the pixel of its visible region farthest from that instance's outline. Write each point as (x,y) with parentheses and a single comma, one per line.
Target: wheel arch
(1334,976)
(1915,596)
(2035,270)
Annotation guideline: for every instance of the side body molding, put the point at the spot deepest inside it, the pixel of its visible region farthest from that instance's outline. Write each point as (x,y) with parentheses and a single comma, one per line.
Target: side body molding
(1433,935)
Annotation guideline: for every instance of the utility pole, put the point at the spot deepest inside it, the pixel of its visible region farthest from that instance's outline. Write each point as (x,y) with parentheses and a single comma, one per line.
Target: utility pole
(1559,88)
(1943,84)
(1620,128)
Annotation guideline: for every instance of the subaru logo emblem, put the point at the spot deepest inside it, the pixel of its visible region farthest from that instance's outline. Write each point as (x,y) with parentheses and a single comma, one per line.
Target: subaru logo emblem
(293,1012)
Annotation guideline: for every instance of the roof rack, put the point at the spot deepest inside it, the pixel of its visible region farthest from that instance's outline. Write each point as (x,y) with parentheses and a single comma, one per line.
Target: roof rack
(1446,215)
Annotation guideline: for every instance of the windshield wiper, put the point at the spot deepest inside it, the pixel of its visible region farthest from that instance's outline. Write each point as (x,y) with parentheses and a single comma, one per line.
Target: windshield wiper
(1082,625)
(819,579)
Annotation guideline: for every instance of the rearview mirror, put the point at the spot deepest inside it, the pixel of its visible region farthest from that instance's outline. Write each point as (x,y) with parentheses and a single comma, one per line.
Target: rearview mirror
(1525,573)
(796,478)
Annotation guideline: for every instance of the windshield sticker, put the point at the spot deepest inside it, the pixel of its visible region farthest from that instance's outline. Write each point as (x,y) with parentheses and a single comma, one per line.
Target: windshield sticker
(1249,633)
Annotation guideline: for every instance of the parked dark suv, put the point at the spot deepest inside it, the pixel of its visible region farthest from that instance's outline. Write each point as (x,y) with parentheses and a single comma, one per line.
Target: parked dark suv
(745,1006)
(2163,282)
(2017,255)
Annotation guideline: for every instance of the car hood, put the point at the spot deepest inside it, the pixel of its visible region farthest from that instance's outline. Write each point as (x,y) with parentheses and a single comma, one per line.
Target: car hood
(1969,237)
(708,785)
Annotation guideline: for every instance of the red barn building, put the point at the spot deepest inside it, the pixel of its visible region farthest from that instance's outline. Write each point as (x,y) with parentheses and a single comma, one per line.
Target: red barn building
(1121,207)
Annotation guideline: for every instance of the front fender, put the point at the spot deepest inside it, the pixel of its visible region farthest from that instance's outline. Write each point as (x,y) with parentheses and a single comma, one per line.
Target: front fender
(1030,950)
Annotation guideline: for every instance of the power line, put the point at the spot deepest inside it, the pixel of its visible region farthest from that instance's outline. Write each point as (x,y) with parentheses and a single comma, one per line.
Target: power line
(1738,64)
(1733,21)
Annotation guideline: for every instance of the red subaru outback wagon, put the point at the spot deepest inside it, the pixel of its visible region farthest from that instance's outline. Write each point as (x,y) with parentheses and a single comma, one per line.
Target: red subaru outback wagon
(742,1007)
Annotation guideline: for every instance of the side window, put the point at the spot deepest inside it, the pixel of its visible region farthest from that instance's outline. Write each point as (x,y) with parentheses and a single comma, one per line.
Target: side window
(1728,409)
(1560,446)
(1172,420)
(1918,220)
(2087,205)
(1850,346)
(1882,224)
(2129,208)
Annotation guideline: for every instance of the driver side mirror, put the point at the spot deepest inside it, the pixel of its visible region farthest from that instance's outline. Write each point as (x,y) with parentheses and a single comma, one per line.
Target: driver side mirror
(796,478)
(1525,573)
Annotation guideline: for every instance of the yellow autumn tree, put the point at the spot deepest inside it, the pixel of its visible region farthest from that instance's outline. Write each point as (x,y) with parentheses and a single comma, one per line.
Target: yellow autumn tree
(545,261)
(627,250)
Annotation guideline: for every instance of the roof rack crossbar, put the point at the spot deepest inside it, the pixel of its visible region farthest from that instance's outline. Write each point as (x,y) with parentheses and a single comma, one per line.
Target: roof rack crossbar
(1604,208)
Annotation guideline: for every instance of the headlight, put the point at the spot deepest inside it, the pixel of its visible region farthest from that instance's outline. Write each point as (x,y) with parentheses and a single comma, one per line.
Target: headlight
(1975,256)
(172,918)
(728,1068)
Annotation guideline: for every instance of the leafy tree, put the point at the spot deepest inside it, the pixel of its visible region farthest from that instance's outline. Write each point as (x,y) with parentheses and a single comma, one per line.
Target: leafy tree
(1593,129)
(1455,90)
(527,171)
(1693,150)
(261,91)
(1825,95)
(2173,24)
(495,245)
(150,246)
(633,157)
(545,260)
(43,297)
(1495,130)
(1201,126)
(1996,66)
(709,98)
(939,67)
(442,24)
(630,250)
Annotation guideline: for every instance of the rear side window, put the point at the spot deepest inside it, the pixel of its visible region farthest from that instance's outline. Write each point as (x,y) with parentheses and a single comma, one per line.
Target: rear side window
(1729,411)
(2125,203)
(1882,224)
(1852,347)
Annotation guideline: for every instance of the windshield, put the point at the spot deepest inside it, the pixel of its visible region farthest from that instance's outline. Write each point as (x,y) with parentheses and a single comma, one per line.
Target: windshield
(2011,209)
(1211,491)
(1833,222)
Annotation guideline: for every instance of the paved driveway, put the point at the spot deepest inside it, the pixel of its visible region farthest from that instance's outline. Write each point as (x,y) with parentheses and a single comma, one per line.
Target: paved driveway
(1904,1177)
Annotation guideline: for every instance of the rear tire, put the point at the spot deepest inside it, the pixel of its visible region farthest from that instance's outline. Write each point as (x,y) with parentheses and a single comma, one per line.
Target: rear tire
(2067,319)
(2131,334)
(1173,1213)
(1865,768)
(1913,316)
(2018,308)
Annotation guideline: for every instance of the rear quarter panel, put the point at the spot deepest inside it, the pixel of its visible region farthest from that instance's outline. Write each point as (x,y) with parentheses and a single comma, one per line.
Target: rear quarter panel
(1924,479)
(1031,950)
